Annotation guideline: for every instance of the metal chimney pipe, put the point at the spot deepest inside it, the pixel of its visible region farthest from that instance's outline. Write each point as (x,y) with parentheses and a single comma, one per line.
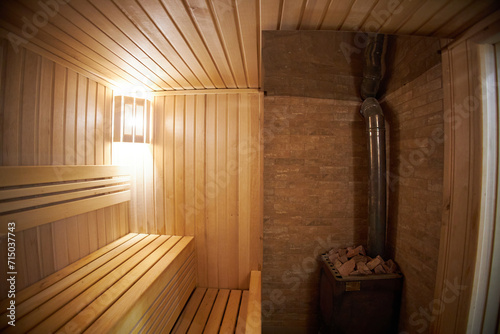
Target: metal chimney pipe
(375,128)
(372,67)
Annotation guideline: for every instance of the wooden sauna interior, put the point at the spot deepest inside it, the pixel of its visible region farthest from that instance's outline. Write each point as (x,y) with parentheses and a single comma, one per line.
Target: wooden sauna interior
(199,62)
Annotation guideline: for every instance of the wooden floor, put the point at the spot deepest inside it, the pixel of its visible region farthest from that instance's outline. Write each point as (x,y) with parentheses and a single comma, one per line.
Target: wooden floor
(214,311)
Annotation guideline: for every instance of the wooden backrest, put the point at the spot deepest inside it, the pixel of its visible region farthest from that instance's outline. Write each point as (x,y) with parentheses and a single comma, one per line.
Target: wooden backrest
(35,195)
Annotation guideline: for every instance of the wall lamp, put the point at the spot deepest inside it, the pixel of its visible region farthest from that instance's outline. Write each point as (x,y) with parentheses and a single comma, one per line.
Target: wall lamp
(132,122)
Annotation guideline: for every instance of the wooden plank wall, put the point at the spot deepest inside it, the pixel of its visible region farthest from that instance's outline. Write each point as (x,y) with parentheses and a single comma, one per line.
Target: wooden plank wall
(207,159)
(462,191)
(51,115)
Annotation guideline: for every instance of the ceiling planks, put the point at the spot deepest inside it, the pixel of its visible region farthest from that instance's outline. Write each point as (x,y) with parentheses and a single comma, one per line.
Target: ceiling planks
(165,45)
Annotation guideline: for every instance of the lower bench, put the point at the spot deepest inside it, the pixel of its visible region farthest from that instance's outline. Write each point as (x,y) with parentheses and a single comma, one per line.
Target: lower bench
(137,283)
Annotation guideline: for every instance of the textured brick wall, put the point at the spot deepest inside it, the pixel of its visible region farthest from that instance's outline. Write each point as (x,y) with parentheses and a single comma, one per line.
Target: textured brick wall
(315,184)
(415,113)
(318,64)
(407,58)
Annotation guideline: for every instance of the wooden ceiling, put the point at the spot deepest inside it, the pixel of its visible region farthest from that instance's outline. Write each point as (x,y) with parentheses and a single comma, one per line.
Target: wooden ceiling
(158,45)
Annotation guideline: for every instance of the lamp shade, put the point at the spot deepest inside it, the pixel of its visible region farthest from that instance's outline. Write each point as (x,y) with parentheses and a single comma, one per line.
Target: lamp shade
(132,122)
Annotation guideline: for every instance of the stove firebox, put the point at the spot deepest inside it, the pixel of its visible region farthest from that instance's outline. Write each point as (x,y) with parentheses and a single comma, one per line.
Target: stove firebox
(358,304)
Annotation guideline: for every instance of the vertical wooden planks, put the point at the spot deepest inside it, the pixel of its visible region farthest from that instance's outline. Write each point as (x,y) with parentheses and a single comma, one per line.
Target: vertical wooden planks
(53,115)
(108,135)
(189,172)
(256,191)
(158,168)
(60,240)
(73,235)
(83,234)
(3,70)
(212,167)
(245,150)
(93,231)
(46,250)
(81,117)
(58,119)
(179,153)
(220,182)
(462,185)
(90,123)
(211,226)
(32,255)
(70,122)
(108,216)
(100,108)
(21,265)
(4,288)
(123,222)
(200,190)
(168,166)
(12,103)
(101,228)
(29,117)
(45,111)
(149,188)
(232,199)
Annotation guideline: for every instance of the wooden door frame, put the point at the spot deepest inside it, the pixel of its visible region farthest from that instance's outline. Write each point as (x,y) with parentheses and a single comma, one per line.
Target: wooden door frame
(464,194)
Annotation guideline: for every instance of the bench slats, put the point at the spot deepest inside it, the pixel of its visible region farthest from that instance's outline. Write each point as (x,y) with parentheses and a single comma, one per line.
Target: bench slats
(36,195)
(22,175)
(35,288)
(227,311)
(51,291)
(187,316)
(203,312)
(139,275)
(242,315)
(57,188)
(40,310)
(166,303)
(108,289)
(229,321)
(174,301)
(123,313)
(215,319)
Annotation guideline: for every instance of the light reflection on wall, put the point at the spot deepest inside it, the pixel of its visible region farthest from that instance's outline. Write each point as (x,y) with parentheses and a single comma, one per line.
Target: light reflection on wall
(139,158)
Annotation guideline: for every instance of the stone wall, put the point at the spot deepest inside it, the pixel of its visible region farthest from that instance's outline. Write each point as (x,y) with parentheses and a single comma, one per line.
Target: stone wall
(415,114)
(315,198)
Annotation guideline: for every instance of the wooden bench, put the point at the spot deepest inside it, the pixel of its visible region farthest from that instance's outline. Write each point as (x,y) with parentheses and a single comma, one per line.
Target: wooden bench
(222,310)
(35,195)
(137,283)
